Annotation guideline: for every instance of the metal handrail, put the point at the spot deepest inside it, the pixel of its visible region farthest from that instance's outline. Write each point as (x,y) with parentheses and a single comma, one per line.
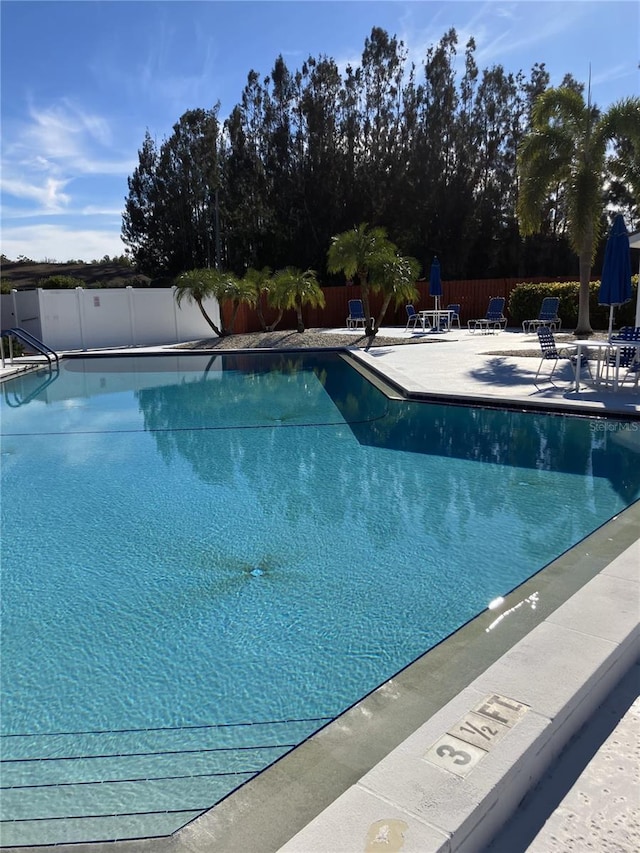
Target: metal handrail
(12,398)
(30,340)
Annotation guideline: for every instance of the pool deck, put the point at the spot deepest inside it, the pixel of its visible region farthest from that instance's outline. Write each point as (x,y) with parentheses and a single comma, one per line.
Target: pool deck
(531,709)
(472,367)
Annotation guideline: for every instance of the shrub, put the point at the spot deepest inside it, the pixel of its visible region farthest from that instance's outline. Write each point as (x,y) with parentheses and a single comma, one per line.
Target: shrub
(525,301)
(59,282)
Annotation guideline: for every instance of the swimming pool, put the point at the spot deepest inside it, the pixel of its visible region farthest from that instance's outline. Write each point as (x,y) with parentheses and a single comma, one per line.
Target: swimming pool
(206,558)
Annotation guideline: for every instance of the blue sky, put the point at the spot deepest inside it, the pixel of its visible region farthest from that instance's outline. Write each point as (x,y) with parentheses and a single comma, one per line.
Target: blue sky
(83,80)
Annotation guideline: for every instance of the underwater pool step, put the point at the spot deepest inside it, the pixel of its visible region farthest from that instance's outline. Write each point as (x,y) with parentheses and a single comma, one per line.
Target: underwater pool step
(132,783)
(179,738)
(138,767)
(74,831)
(103,799)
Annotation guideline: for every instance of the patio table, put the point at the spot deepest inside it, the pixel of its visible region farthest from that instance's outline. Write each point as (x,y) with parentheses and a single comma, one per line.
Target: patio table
(435,317)
(585,345)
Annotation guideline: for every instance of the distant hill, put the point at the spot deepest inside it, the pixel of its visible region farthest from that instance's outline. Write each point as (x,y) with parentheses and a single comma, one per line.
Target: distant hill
(26,275)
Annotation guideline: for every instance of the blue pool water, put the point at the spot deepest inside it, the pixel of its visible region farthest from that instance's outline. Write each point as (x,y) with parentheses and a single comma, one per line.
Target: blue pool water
(205,559)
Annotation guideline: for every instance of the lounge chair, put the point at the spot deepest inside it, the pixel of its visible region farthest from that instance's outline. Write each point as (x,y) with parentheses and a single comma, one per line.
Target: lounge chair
(494,318)
(356,314)
(412,317)
(455,314)
(548,316)
(550,352)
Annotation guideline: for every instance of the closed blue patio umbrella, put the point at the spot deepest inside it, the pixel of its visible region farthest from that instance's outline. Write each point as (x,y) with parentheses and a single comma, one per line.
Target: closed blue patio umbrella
(615,283)
(435,282)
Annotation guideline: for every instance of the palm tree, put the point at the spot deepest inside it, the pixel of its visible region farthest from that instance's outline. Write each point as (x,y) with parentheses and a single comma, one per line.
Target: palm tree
(568,147)
(261,283)
(198,285)
(397,279)
(238,291)
(356,253)
(624,164)
(293,288)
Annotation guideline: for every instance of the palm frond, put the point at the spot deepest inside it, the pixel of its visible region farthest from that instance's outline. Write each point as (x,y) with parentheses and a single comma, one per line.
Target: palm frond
(565,107)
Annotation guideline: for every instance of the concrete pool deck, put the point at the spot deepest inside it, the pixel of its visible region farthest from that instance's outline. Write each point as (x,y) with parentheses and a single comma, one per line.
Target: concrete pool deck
(440,757)
(474,367)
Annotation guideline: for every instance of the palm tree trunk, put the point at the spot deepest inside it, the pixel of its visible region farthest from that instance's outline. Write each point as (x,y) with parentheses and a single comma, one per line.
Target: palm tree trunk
(234,314)
(383,311)
(299,316)
(583,328)
(260,313)
(364,292)
(218,332)
(273,325)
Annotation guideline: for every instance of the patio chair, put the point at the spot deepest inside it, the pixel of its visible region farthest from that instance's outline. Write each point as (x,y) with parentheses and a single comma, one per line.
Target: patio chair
(548,316)
(455,314)
(550,352)
(493,319)
(633,372)
(412,317)
(356,314)
(629,357)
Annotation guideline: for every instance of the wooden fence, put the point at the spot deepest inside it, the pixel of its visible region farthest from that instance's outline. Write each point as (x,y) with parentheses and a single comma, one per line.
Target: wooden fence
(472,295)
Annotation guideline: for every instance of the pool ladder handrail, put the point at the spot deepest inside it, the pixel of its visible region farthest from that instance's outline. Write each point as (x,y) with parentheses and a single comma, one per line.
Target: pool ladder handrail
(30,340)
(12,396)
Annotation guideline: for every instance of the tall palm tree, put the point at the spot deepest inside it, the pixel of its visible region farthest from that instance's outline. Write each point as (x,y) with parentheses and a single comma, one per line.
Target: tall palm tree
(293,288)
(356,253)
(396,278)
(568,146)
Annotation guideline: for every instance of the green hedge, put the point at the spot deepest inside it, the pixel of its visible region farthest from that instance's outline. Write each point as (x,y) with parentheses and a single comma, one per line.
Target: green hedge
(525,301)
(59,282)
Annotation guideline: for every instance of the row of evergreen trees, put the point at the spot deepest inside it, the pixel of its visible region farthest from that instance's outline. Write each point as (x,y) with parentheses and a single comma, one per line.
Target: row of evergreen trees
(308,154)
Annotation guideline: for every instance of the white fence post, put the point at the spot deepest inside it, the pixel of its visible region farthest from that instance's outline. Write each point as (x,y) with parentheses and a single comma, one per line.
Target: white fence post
(81,321)
(175,312)
(132,314)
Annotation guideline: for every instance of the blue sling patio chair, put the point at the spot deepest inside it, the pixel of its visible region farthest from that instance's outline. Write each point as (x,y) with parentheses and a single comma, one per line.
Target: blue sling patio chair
(356,314)
(494,318)
(627,357)
(550,352)
(412,317)
(548,316)
(455,314)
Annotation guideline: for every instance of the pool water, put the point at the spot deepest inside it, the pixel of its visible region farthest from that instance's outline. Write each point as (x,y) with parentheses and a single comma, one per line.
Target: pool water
(207,558)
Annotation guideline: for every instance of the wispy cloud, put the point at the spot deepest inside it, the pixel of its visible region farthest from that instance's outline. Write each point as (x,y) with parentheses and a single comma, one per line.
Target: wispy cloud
(59,243)
(63,129)
(48,194)
(167,85)
(502,31)
(46,153)
(63,136)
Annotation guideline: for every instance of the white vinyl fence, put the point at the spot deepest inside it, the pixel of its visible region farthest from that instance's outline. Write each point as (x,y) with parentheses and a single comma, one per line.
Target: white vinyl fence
(82,319)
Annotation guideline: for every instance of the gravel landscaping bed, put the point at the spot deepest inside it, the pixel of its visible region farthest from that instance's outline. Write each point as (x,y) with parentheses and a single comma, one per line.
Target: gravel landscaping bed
(309,339)
(288,339)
